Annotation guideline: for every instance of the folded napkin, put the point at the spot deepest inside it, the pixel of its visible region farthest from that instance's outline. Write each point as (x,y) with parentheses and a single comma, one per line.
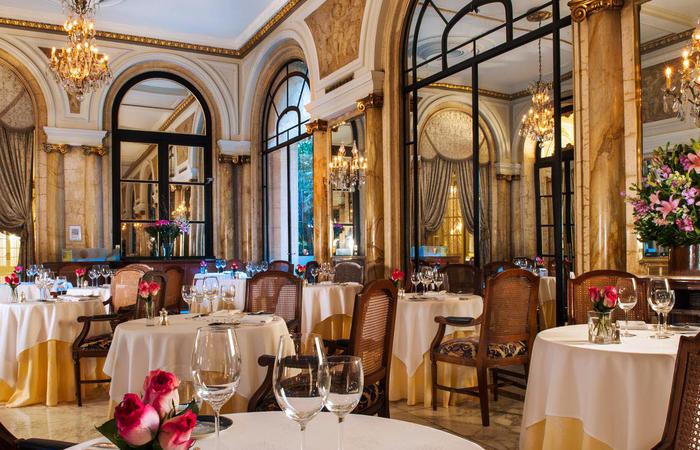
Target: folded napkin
(83,292)
(434,294)
(226,313)
(256,319)
(634,325)
(68,298)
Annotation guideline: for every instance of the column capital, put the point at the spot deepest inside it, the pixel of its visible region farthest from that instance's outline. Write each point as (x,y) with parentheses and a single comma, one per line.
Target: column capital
(375,100)
(581,9)
(57,148)
(316,125)
(99,150)
(236,160)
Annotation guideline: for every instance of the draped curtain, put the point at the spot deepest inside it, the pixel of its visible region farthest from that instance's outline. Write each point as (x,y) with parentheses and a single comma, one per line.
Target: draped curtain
(16,161)
(435,185)
(465,184)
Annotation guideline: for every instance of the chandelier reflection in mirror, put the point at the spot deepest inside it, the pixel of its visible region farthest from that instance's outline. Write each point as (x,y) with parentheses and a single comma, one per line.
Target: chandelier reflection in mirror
(347,173)
(79,67)
(538,123)
(685,97)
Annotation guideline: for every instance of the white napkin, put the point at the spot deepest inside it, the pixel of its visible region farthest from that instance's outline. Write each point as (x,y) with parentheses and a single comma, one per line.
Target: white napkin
(83,292)
(226,313)
(434,294)
(634,325)
(69,298)
(257,319)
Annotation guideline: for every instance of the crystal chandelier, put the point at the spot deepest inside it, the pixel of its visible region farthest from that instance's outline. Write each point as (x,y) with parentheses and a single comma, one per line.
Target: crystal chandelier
(685,98)
(80,68)
(538,123)
(347,173)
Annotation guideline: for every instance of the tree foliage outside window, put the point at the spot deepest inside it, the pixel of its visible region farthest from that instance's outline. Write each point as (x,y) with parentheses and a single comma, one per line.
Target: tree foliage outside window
(306,197)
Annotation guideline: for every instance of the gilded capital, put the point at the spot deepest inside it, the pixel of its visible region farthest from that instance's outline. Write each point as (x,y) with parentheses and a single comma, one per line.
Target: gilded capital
(580,9)
(57,148)
(236,160)
(371,101)
(98,150)
(316,125)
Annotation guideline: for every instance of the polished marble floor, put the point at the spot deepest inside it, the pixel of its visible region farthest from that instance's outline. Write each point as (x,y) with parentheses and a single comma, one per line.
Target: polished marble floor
(73,424)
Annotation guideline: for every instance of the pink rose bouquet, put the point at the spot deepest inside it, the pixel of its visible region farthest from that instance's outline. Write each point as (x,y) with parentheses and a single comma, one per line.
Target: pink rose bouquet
(152,422)
(603,300)
(301,270)
(79,274)
(397,276)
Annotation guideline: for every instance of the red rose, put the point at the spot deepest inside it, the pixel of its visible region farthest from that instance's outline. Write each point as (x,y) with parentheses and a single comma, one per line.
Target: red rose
(144,289)
(160,391)
(593,294)
(154,288)
(175,433)
(137,423)
(610,296)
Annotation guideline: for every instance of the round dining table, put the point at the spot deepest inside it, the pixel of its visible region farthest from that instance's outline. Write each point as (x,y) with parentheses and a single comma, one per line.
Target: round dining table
(274,431)
(31,292)
(36,365)
(138,348)
(583,395)
(547,300)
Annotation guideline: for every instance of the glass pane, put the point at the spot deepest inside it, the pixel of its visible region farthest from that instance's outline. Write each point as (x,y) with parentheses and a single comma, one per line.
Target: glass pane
(139,201)
(136,242)
(187,202)
(138,161)
(9,253)
(186,164)
(159,104)
(192,244)
(305,201)
(277,206)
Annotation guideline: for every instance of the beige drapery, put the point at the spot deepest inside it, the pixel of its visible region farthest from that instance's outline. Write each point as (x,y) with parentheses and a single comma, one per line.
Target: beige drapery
(435,186)
(465,184)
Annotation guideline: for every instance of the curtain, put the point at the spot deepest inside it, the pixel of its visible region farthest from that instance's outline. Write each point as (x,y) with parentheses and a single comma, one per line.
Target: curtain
(16,162)
(465,183)
(435,185)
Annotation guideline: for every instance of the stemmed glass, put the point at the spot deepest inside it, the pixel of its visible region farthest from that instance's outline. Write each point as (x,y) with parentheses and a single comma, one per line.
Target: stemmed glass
(61,284)
(300,378)
(415,281)
(627,300)
(264,266)
(93,274)
(216,367)
(105,272)
(346,379)
(187,295)
(228,296)
(210,289)
(426,278)
(31,272)
(661,299)
(438,279)
(314,273)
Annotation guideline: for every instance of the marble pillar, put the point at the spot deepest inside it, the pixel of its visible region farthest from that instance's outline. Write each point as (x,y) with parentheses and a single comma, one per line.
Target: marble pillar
(225,237)
(373,191)
(322,209)
(246,223)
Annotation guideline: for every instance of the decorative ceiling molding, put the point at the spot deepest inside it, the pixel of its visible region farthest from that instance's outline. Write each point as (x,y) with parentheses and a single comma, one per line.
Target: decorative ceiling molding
(247,47)
(665,41)
(316,125)
(492,94)
(581,9)
(375,100)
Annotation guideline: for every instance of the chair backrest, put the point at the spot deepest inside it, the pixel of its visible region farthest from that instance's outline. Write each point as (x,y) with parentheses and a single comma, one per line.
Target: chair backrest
(372,332)
(510,309)
(159,299)
(579,303)
(496,267)
(282,266)
(173,294)
(349,272)
(125,285)
(275,291)
(310,265)
(461,278)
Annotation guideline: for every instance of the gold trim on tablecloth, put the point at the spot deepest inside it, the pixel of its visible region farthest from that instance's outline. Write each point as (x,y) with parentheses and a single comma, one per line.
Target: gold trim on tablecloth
(556,433)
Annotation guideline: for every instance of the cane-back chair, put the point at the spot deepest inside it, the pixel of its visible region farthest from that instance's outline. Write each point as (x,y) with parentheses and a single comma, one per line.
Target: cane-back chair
(276,292)
(349,272)
(508,329)
(125,285)
(282,266)
(462,278)
(496,267)
(173,294)
(579,302)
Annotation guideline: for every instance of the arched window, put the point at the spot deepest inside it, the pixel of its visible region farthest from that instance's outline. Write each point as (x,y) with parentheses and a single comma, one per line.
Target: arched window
(161,164)
(287,169)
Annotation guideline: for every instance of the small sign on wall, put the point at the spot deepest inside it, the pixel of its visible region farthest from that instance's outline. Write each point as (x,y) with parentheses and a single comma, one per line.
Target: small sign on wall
(75,233)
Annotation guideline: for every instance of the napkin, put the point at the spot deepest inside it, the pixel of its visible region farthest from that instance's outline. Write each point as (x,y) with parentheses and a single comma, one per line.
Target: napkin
(257,319)
(634,325)
(69,298)
(83,292)
(434,294)
(226,313)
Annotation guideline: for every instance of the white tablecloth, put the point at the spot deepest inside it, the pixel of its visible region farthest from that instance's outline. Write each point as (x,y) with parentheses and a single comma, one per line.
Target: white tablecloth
(24,325)
(548,290)
(137,349)
(415,324)
(31,291)
(273,431)
(620,392)
(321,301)
(225,279)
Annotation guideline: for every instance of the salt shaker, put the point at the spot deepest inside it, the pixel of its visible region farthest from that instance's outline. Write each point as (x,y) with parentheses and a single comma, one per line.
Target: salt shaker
(164,317)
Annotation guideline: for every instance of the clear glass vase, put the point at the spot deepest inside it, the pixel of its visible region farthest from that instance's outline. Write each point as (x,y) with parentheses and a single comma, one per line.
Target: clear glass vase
(15,298)
(601,329)
(150,313)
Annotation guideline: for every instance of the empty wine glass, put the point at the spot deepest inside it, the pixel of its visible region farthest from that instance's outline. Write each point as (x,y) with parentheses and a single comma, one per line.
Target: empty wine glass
(228,296)
(93,274)
(216,367)
(314,274)
(104,271)
(187,295)
(300,378)
(438,279)
(264,266)
(627,300)
(415,281)
(346,379)
(661,299)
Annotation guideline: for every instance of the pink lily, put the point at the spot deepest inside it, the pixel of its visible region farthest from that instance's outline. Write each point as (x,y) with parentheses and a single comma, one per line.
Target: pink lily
(667,207)
(654,198)
(693,162)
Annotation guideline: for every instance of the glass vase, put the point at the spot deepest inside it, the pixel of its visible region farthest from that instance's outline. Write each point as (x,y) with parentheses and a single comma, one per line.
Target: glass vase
(15,299)
(167,247)
(601,329)
(150,314)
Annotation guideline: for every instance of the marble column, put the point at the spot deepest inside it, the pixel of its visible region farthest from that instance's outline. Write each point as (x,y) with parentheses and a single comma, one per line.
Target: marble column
(234,197)
(322,209)
(373,191)
(226,236)
(598,39)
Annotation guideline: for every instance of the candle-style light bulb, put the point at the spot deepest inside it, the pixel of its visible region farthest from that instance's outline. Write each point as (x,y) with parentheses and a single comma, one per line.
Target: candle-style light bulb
(668,73)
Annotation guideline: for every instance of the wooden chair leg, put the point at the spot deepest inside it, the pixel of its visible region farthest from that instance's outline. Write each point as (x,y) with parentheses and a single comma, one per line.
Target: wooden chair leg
(433,382)
(494,377)
(78,390)
(482,377)
(527,371)
(384,411)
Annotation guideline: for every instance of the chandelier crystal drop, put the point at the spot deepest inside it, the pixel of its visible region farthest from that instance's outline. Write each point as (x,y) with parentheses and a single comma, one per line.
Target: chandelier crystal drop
(538,123)
(79,67)
(347,173)
(684,98)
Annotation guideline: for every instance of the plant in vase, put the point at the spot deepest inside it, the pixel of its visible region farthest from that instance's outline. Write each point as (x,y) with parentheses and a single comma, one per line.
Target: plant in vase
(13,281)
(397,277)
(202,266)
(666,204)
(152,422)
(148,290)
(164,232)
(603,302)
(301,270)
(79,274)
(19,270)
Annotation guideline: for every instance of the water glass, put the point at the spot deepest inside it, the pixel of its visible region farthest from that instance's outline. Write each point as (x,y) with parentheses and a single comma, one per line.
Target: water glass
(661,299)
(627,300)
(346,382)
(61,284)
(415,281)
(187,295)
(228,296)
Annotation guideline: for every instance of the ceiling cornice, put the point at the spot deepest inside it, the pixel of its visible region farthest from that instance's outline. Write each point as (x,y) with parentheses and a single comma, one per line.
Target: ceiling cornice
(247,47)
(489,93)
(665,41)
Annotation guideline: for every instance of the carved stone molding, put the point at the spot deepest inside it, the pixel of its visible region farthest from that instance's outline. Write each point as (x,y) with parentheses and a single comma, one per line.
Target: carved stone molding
(57,148)
(316,125)
(581,9)
(507,177)
(98,150)
(371,101)
(236,160)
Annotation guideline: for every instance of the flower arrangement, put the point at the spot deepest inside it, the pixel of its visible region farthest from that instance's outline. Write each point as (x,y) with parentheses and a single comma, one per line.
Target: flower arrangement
(301,270)
(337,229)
(148,290)
(203,266)
(397,277)
(166,231)
(13,281)
(79,274)
(539,262)
(603,300)
(151,422)
(19,269)
(667,202)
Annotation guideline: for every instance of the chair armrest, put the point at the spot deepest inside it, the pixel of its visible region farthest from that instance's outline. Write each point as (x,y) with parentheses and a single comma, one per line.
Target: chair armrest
(337,347)
(266,361)
(455,321)
(98,318)
(41,444)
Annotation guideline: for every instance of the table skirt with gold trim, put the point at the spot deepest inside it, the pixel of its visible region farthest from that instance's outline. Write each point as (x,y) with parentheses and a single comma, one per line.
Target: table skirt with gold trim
(45,374)
(555,433)
(548,315)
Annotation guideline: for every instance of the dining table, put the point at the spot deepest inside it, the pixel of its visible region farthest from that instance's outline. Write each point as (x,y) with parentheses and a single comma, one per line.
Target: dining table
(274,431)
(547,300)
(224,279)
(584,395)
(327,308)
(31,292)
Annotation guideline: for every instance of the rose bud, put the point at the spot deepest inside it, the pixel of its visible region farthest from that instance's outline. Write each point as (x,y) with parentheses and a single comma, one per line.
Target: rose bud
(175,433)
(137,423)
(160,391)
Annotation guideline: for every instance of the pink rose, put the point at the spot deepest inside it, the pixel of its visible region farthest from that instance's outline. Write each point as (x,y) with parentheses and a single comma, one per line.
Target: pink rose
(175,433)
(593,294)
(137,423)
(144,289)
(160,391)
(610,297)
(154,288)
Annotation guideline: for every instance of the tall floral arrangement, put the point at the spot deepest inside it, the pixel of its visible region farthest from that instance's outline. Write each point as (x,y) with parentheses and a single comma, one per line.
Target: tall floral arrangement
(667,201)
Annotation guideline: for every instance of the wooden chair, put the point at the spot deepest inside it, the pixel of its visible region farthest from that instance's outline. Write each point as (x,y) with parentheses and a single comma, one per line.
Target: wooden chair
(496,267)
(9,442)
(371,338)
(508,329)
(159,300)
(579,303)
(349,272)
(310,265)
(282,266)
(173,294)
(276,292)
(681,430)
(462,278)
(125,285)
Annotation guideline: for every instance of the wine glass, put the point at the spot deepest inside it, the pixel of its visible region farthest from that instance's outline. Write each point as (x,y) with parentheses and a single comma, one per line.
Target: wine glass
(346,379)
(438,279)
(415,281)
(104,271)
(187,295)
(210,289)
(314,273)
(93,274)
(228,296)
(661,299)
(300,378)
(61,284)
(216,367)
(627,300)
(264,266)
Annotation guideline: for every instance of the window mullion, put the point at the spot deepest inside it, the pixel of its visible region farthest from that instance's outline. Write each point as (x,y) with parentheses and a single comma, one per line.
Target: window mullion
(163,184)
